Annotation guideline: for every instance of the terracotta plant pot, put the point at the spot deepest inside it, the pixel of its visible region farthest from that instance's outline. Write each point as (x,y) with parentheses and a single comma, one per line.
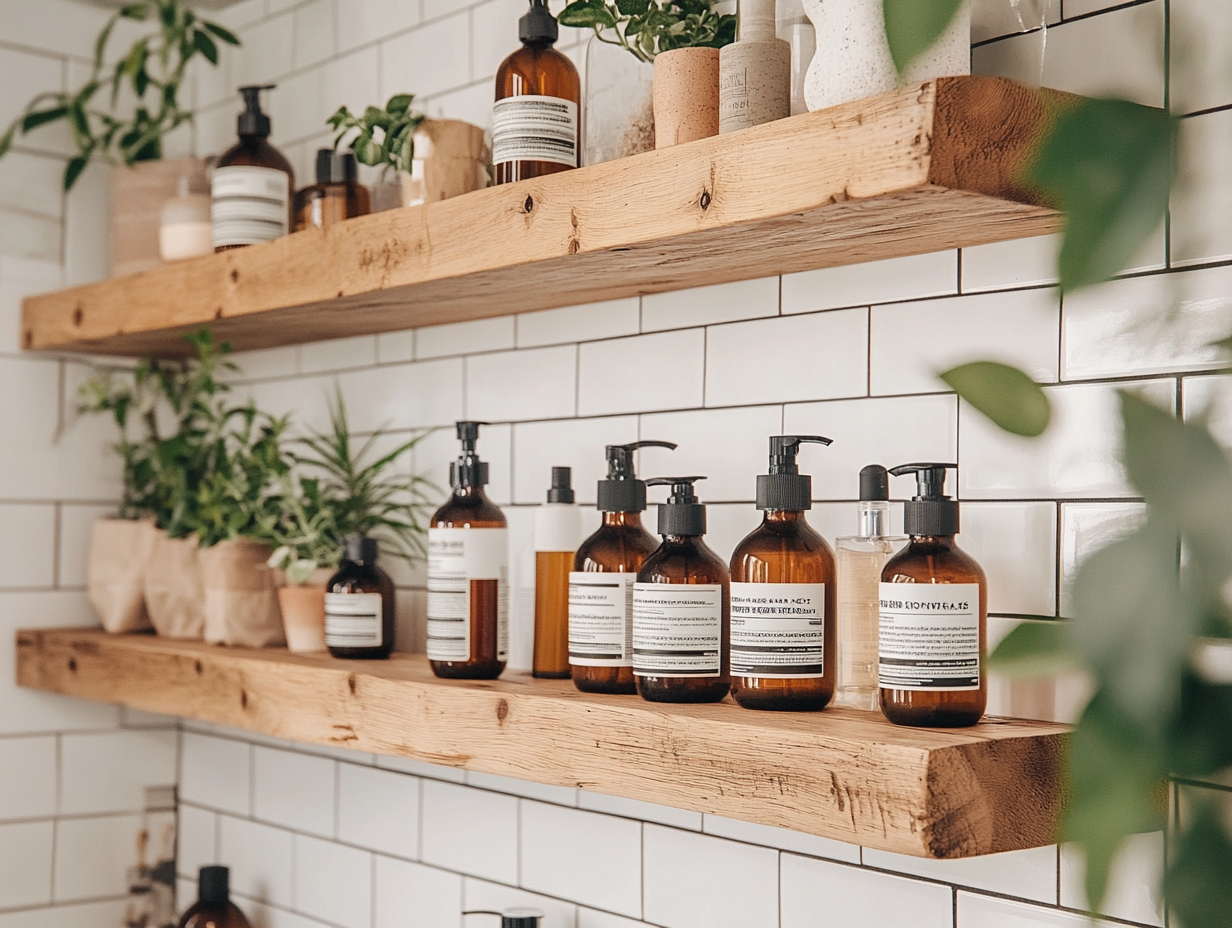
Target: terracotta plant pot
(451,158)
(115,572)
(241,602)
(303,612)
(172,587)
(686,95)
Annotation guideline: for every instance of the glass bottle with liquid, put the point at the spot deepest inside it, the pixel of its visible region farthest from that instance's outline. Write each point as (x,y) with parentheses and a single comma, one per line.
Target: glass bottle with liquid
(337,194)
(360,603)
(250,187)
(214,908)
(556,536)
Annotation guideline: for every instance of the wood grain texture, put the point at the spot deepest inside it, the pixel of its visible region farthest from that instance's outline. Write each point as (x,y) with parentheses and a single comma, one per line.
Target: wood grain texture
(842,774)
(927,168)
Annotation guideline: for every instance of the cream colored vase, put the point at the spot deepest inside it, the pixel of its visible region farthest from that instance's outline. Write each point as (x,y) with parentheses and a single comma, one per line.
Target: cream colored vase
(686,95)
(172,587)
(451,158)
(303,612)
(241,601)
(115,572)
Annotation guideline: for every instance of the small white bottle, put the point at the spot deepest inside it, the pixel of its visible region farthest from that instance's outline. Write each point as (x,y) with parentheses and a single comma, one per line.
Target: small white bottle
(558,530)
(185,230)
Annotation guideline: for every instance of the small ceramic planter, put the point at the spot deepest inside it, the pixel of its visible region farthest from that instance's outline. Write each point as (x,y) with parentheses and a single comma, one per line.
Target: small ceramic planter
(115,573)
(303,612)
(686,95)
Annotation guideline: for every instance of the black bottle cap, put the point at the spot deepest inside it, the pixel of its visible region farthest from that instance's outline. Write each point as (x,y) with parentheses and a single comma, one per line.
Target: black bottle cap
(874,483)
(521,918)
(214,886)
(468,470)
(538,26)
(785,488)
(336,167)
(622,491)
(252,121)
(359,549)
(930,512)
(682,514)
(562,486)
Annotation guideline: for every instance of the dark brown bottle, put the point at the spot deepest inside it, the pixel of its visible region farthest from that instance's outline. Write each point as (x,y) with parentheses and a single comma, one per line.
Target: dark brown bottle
(932,638)
(682,607)
(601,607)
(468,574)
(538,98)
(557,528)
(783,595)
(337,194)
(360,603)
(214,908)
(250,187)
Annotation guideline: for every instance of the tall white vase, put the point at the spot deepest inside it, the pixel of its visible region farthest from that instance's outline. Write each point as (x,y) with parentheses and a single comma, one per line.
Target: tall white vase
(853,57)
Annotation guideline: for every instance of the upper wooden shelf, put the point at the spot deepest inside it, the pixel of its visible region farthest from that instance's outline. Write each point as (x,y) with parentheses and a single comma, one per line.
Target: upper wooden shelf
(841,773)
(931,167)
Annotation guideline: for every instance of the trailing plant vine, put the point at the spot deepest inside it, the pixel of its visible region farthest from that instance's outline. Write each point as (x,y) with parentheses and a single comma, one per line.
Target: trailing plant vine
(647,28)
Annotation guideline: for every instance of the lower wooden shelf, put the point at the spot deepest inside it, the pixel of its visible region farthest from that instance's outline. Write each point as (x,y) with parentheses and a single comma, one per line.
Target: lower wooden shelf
(841,774)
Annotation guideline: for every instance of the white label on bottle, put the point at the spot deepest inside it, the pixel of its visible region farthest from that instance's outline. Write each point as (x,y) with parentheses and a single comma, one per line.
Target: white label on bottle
(353,620)
(601,619)
(534,128)
(677,629)
(778,629)
(249,205)
(929,637)
(456,557)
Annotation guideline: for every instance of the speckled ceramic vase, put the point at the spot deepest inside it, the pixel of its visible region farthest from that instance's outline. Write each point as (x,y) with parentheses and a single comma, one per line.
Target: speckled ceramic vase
(686,95)
(853,58)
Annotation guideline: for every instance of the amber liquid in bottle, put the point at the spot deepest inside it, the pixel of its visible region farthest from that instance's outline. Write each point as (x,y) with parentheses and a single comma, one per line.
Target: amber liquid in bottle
(354,578)
(551,658)
(255,151)
(936,559)
(537,69)
(785,549)
(322,205)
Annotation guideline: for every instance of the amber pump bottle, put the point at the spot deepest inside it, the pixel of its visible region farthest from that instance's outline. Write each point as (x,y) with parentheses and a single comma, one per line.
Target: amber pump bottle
(934,616)
(556,536)
(538,97)
(214,908)
(337,194)
(360,603)
(604,571)
(682,607)
(468,574)
(250,187)
(782,595)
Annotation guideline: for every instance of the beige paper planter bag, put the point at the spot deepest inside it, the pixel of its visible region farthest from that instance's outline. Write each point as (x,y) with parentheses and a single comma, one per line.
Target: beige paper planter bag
(173,587)
(115,573)
(241,602)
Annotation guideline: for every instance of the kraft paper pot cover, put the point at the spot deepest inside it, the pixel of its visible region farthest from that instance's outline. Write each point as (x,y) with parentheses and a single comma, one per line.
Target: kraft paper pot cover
(173,594)
(241,601)
(115,572)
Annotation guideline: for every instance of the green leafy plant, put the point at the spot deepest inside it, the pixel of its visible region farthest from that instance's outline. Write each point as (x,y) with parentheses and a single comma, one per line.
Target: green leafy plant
(647,28)
(154,69)
(384,136)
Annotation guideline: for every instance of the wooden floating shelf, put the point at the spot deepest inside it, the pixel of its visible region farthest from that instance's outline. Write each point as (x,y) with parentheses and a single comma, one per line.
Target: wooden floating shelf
(931,167)
(841,774)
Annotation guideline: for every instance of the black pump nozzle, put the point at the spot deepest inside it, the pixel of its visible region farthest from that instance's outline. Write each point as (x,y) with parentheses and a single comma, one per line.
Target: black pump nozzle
(468,470)
(359,549)
(252,121)
(874,483)
(520,917)
(538,26)
(784,488)
(622,491)
(683,513)
(214,886)
(562,486)
(930,511)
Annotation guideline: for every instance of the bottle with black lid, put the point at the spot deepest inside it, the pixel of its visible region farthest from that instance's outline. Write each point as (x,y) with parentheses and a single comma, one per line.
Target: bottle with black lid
(250,187)
(556,537)
(601,607)
(783,592)
(360,603)
(933,616)
(682,607)
(337,194)
(517,917)
(214,908)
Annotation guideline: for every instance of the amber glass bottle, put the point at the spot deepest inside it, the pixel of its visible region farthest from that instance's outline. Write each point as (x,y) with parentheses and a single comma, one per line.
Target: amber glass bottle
(682,607)
(360,603)
(214,908)
(783,595)
(250,187)
(934,616)
(538,97)
(337,194)
(468,574)
(556,538)
(601,607)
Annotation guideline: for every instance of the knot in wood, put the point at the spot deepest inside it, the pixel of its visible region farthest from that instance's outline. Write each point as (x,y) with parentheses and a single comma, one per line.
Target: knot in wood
(235,276)
(529,204)
(502,710)
(72,664)
(199,667)
(352,683)
(79,315)
(243,699)
(704,202)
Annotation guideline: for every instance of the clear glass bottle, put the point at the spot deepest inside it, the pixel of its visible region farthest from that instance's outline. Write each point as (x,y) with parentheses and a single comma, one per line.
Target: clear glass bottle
(360,604)
(556,537)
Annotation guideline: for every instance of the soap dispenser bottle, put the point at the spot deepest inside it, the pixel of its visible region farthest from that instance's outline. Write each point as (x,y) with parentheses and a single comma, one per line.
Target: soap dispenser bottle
(468,574)
(682,607)
(214,908)
(250,188)
(604,571)
(782,595)
(557,528)
(934,616)
(360,604)
(754,71)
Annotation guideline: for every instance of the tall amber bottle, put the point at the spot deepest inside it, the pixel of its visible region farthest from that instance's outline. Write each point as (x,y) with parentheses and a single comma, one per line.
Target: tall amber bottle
(556,537)
(932,637)
(682,607)
(783,595)
(468,574)
(250,187)
(601,607)
(538,98)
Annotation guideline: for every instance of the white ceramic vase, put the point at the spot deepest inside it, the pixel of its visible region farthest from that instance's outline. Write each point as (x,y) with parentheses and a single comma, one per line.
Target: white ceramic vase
(853,58)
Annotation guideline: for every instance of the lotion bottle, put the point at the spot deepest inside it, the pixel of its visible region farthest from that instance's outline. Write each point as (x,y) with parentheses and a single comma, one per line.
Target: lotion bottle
(604,571)
(360,603)
(556,535)
(214,908)
(754,71)
(682,607)
(468,574)
(934,616)
(250,188)
(782,595)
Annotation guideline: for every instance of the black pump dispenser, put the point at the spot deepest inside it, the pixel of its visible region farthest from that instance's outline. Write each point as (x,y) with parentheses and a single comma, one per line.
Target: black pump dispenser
(874,483)
(359,549)
(930,511)
(252,121)
(520,917)
(682,514)
(622,491)
(214,886)
(336,167)
(538,26)
(468,470)
(562,486)
(785,488)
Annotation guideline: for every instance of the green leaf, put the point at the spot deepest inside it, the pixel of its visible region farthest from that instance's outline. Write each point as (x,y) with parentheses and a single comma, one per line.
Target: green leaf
(1004,394)
(1197,887)
(219,32)
(913,26)
(1110,165)
(204,44)
(138,11)
(73,170)
(399,103)
(100,44)
(1034,649)
(632,7)
(42,117)
(6,141)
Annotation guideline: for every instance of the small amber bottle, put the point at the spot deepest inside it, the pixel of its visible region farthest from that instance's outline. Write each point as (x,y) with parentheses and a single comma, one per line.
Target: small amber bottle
(214,908)
(250,187)
(604,571)
(932,636)
(468,574)
(337,194)
(538,98)
(360,603)
(783,592)
(682,607)
(556,537)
